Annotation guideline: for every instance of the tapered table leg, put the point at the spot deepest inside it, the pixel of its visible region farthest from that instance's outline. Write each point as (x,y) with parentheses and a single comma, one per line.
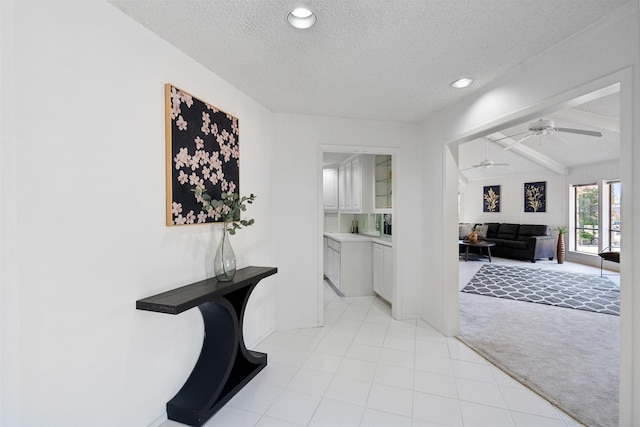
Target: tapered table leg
(223,368)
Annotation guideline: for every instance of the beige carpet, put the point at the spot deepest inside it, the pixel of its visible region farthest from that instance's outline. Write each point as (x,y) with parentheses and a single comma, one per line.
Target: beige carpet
(570,357)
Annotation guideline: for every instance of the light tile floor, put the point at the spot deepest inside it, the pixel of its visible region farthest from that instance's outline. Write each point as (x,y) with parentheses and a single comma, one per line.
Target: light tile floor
(364,368)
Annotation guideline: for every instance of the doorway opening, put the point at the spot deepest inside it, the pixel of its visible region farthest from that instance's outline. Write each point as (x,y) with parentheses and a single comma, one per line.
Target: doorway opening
(358,191)
(511,181)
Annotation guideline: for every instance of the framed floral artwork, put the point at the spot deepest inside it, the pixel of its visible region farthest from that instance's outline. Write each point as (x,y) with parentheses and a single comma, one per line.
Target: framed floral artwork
(535,196)
(202,151)
(491,198)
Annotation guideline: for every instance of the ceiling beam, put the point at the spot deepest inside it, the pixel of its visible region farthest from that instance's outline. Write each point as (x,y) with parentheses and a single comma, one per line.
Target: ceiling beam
(589,119)
(530,154)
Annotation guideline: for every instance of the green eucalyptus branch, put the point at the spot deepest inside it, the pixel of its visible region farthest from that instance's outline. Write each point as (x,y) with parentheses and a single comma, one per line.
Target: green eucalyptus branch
(231,205)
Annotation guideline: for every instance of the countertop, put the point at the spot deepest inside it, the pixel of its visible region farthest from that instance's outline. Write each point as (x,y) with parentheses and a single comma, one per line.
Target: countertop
(359,237)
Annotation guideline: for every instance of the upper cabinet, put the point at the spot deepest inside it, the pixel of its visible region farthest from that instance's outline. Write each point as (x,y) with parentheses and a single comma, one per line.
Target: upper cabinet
(344,178)
(330,189)
(360,184)
(383,181)
(356,184)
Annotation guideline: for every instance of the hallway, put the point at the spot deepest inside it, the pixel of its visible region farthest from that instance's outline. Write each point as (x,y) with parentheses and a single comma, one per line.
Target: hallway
(366,369)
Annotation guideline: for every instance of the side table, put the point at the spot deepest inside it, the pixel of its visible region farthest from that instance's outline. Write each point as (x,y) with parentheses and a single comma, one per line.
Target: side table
(479,244)
(224,365)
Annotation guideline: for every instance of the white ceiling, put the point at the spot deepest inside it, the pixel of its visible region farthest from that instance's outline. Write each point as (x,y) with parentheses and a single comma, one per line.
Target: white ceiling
(381,59)
(375,59)
(551,153)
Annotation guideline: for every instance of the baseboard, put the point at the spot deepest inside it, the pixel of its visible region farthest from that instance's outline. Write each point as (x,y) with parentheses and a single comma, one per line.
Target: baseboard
(261,338)
(159,421)
(336,290)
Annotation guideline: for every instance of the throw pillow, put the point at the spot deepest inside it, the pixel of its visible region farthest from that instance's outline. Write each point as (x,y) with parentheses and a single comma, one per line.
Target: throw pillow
(464,230)
(482,231)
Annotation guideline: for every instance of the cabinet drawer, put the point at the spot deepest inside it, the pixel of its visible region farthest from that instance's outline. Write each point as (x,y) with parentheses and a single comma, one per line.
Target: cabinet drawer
(334,245)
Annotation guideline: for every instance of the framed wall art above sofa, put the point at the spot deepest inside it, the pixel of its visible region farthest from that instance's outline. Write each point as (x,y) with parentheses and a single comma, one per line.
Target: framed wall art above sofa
(491,198)
(535,196)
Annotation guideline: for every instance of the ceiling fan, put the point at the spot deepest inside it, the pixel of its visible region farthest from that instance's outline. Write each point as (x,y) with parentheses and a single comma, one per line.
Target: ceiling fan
(486,163)
(546,127)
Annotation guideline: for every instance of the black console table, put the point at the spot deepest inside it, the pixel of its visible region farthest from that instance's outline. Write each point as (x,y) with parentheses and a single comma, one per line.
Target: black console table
(224,365)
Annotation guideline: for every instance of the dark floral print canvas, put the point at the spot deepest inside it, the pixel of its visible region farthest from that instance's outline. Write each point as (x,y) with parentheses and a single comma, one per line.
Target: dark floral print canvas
(202,152)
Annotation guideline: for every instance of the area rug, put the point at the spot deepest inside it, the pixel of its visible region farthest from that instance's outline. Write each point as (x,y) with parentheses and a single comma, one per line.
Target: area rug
(561,289)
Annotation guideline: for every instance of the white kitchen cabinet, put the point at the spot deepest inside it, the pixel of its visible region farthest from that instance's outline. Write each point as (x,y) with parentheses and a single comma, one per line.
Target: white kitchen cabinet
(345,190)
(332,262)
(383,271)
(383,184)
(378,265)
(336,266)
(330,189)
(325,250)
(387,273)
(349,267)
(356,184)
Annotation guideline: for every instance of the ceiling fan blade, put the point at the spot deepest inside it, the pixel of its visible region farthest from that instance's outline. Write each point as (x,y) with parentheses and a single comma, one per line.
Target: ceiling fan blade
(510,146)
(506,137)
(471,167)
(579,131)
(485,165)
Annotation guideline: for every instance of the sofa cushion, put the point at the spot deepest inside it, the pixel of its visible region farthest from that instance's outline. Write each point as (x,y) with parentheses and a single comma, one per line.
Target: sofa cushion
(492,229)
(508,231)
(515,244)
(498,242)
(528,230)
(464,230)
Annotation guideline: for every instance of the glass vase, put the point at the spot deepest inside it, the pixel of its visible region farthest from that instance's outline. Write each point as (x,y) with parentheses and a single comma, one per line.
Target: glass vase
(224,262)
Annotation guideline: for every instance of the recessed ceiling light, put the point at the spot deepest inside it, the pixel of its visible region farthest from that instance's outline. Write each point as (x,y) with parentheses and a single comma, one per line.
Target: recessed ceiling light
(301,18)
(462,83)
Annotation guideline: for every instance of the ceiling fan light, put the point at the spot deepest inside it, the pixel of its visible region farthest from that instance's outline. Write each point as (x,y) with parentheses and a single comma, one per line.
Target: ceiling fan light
(462,83)
(301,18)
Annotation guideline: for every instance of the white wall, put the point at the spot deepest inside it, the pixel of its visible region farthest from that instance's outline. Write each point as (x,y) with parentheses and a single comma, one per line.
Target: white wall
(83,222)
(299,139)
(511,195)
(512,200)
(9,309)
(597,57)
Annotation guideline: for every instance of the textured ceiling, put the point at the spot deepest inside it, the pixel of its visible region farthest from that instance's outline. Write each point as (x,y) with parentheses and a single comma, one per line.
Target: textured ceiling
(370,59)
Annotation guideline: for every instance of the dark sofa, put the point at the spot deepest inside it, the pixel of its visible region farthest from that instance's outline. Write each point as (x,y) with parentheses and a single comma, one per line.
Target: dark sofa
(521,241)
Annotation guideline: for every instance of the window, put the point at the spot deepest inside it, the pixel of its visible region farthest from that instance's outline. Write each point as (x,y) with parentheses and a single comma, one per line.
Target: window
(595,223)
(586,229)
(614,215)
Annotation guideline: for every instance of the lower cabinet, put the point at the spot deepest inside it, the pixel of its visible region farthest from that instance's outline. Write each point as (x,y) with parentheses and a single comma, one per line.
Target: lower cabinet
(383,271)
(332,262)
(348,267)
(335,262)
